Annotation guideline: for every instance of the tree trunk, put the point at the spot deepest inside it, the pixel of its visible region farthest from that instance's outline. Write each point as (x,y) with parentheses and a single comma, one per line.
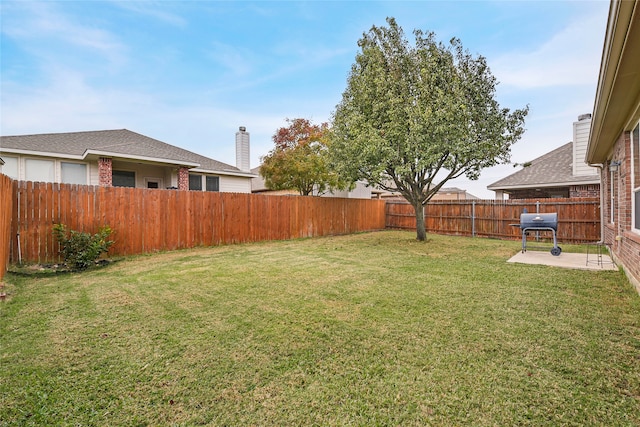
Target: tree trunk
(420,227)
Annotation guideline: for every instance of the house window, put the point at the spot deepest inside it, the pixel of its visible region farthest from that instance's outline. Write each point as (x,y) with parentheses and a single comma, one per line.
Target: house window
(123,179)
(195,182)
(635,151)
(73,173)
(213,183)
(39,170)
(10,167)
(153,182)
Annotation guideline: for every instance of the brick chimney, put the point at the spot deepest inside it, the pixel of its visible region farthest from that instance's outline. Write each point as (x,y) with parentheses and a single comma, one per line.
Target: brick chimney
(242,149)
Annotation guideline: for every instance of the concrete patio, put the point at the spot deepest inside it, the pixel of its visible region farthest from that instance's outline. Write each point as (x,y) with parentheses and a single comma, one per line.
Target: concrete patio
(565,260)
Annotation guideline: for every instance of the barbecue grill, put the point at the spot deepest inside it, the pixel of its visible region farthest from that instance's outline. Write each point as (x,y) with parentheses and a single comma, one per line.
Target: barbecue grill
(540,222)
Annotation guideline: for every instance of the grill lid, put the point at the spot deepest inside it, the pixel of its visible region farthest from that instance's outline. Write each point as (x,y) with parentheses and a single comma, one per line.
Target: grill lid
(539,220)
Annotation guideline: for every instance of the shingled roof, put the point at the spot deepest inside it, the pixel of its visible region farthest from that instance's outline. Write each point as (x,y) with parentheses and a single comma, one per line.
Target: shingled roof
(553,169)
(120,143)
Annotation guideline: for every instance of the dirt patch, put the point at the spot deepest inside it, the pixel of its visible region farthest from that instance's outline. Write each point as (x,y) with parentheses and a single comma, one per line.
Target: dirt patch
(52,269)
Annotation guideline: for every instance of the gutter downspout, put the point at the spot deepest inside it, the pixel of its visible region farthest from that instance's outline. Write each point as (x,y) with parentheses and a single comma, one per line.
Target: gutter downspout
(600,167)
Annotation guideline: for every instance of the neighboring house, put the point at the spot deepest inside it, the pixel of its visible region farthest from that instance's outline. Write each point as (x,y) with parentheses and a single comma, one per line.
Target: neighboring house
(453,193)
(614,143)
(122,158)
(361,191)
(445,193)
(561,173)
(258,186)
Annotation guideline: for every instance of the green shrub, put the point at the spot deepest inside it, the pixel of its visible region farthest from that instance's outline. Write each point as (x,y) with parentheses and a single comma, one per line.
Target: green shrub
(79,249)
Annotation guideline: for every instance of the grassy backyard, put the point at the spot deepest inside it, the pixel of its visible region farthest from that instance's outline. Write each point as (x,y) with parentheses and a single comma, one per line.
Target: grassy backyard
(370,329)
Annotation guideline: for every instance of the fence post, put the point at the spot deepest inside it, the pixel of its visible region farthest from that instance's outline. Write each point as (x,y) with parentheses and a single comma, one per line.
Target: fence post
(537,211)
(473,218)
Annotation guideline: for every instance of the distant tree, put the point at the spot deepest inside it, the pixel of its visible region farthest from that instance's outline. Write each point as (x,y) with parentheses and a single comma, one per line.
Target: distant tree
(299,159)
(415,116)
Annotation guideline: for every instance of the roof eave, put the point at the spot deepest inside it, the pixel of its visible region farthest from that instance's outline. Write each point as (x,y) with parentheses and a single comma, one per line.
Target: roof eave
(225,172)
(41,153)
(120,156)
(596,180)
(618,91)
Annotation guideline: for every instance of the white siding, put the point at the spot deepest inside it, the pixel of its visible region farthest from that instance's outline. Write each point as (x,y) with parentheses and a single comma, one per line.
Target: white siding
(234,184)
(94,176)
(580,141)
(361,191)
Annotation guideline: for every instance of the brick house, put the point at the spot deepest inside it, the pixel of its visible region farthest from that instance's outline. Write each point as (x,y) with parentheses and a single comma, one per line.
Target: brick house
(561,173)
(122,158)
(614,142)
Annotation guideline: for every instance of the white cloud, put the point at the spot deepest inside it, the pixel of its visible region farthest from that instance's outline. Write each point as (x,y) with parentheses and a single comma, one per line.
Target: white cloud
(34,22)
(153,9)
(570,57)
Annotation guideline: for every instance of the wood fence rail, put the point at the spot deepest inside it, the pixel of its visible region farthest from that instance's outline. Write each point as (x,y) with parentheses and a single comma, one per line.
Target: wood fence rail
(148,220)
(578,219)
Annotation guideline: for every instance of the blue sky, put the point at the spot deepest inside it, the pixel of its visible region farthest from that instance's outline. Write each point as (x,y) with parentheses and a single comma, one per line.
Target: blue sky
(190,72)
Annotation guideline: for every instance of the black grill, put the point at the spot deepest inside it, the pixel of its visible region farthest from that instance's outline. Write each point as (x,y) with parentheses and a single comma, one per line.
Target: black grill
(540,222)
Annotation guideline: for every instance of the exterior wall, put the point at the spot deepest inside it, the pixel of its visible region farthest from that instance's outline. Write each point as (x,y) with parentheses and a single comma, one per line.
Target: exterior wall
(183,178)
(105,172)
(581,130)
(573,191)
(232,184)
(361,191)
(460,195)
(57,168)
(617,213)
(543,193)
(146,172)
(589,190)
(94,173)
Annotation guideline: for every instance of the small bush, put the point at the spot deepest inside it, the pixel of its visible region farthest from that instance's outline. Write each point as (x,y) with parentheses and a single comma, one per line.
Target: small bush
(79,249)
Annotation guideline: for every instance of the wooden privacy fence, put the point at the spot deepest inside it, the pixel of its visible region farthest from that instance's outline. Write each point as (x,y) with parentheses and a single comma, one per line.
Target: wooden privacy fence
(145,220)
(6,211)
(578,219)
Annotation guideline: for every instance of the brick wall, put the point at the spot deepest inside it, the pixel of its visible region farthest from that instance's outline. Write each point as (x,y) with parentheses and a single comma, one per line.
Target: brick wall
(183,178)
(542,193)
(105,169)
(591,190)
(624,243)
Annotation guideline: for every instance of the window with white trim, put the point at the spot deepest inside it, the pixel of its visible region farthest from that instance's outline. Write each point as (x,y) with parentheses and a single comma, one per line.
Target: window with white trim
(10,167)
(195,182)
(212,183)
(635,153)
(73,173)
(123,179)
(39,170)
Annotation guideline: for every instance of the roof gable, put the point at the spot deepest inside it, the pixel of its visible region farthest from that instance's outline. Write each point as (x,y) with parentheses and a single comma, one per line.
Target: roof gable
(553,168)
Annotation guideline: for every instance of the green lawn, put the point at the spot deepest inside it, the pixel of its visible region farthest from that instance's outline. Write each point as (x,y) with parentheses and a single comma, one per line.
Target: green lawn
(363,330)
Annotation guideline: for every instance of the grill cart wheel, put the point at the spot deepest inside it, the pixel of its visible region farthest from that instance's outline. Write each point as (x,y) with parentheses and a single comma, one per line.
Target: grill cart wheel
(556,251)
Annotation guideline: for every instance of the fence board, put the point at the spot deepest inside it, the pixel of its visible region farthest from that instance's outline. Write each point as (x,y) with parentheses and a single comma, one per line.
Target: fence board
(7,211)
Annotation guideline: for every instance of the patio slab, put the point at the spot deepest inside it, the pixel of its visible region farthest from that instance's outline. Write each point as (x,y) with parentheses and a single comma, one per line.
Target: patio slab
(564,260)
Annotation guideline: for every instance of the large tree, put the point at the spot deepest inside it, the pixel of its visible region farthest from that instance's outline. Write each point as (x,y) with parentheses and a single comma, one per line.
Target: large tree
(299,159)
(414,116)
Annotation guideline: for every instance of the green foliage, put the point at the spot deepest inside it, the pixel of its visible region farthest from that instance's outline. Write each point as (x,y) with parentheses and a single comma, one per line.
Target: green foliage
(299,160)
(79,249)
(415,116)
